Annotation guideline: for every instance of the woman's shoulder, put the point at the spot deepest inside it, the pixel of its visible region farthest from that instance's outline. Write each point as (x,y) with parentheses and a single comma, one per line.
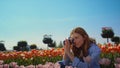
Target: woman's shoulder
(94,46)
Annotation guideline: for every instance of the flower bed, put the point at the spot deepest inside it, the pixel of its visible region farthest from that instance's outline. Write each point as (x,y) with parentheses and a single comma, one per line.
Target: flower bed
(32,57)
(110,57)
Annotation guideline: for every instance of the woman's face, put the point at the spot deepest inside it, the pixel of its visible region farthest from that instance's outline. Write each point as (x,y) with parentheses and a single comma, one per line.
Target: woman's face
(78,39)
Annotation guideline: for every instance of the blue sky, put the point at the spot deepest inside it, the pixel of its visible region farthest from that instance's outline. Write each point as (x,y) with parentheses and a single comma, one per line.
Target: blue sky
(29,20)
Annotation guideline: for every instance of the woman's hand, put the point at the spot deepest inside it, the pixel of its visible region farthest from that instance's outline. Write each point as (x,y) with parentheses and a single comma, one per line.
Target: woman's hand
(87,59)
(67,46)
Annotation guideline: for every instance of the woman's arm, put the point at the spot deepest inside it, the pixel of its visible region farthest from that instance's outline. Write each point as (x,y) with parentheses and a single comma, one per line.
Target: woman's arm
(89,61)
(65,56)
(94,54)
(79,64)
(66,59)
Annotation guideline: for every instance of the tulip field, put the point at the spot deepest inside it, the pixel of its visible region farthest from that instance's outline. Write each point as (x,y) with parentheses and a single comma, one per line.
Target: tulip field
(110,58)
(110,55)
(33,57)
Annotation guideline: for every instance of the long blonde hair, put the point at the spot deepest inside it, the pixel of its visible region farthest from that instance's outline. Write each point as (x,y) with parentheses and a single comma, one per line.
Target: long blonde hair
(83,50)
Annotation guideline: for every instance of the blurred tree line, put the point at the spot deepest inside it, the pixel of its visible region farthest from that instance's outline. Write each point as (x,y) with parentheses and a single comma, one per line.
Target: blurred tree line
(23,46)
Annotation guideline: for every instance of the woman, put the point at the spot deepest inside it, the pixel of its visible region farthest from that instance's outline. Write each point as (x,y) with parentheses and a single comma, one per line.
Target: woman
(82,52)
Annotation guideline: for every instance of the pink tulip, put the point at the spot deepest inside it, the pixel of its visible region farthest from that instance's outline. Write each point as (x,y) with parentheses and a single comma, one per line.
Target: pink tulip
(51,67)
(1,66)
(117,60)
(22,66)
(6,66)
(39,66)
(13,64)
(16,66)
(117,65)
(1,62)
(108,61)
(46,66)
(104,61)
(57,65)
(30,66)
